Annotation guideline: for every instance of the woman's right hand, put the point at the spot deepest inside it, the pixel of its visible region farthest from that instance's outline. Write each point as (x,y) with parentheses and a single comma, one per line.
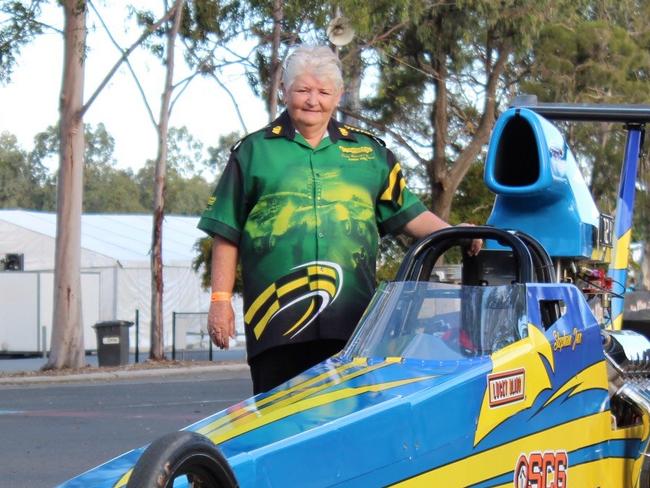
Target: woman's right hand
(221,323)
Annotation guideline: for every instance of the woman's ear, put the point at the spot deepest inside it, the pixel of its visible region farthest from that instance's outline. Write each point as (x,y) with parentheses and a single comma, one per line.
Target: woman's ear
(340,96)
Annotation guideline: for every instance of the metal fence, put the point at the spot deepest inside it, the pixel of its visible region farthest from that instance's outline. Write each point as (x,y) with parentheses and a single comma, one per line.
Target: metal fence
(190,338)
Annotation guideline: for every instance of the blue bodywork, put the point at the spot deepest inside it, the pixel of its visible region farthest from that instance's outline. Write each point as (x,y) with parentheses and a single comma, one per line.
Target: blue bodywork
(538,185)
(377,421)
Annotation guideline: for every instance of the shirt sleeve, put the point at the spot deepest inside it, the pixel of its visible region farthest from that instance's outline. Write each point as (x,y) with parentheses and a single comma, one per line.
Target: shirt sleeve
(225,214)
(396,205)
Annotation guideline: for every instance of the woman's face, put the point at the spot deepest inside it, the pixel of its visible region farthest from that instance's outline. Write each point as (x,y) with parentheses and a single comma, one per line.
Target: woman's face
(311,102)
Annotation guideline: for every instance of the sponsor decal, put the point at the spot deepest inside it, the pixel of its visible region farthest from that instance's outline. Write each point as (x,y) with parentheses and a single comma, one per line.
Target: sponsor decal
(506,387)
(542,470)
(567,340)
(361,153)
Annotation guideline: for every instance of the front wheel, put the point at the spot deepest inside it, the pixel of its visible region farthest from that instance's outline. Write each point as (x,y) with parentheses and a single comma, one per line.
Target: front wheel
(180,454)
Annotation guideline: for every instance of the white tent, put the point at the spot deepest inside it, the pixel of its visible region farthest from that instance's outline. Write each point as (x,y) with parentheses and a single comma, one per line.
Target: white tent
(116,276)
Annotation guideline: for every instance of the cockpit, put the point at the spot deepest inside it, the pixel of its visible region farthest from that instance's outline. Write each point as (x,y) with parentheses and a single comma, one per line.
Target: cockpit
(439,321)
(418,316)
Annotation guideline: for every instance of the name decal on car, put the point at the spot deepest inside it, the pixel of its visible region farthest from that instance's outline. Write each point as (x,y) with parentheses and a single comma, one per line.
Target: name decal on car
(506,387)
(536,469)
(567,340)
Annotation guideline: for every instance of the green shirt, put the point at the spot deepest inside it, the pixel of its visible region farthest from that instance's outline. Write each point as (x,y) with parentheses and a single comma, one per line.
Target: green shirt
(307,222)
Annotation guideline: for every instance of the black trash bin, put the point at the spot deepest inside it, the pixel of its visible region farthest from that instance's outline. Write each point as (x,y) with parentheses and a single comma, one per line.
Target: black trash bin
(113,342)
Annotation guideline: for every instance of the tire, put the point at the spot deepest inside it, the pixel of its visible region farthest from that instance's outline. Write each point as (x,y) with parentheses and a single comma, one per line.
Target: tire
(178,454)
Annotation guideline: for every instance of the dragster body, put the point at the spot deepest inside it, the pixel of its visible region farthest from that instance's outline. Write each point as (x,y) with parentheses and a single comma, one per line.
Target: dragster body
(509,377)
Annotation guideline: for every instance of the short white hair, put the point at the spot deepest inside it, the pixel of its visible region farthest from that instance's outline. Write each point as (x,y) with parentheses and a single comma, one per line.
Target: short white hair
(319,61)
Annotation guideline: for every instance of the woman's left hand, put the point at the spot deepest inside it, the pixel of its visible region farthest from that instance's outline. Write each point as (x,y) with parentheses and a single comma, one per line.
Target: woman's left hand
(475,246)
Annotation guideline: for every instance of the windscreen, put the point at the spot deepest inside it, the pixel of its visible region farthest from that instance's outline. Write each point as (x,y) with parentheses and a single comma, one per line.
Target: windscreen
(437,321)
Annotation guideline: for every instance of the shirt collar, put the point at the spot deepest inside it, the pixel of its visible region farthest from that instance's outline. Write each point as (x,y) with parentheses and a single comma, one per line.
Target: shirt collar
(338,131)
(283,127)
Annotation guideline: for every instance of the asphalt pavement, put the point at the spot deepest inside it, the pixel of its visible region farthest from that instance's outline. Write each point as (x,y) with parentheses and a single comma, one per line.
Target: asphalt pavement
(55,426)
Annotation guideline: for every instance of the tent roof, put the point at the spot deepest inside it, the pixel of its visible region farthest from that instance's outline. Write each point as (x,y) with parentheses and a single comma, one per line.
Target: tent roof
(123,237)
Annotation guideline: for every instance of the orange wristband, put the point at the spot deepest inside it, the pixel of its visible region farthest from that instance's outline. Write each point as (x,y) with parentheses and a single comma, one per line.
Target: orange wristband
(220,296)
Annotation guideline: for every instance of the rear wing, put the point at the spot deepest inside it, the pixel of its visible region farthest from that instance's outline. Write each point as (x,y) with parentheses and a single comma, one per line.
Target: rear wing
(585,112)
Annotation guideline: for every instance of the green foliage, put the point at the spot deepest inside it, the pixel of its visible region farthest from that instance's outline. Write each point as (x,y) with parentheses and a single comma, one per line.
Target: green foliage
(27,184)
(473,201)
(184,152)
(21,185)
(186,196)
(592,61)
(177,201)
(186,193)
(390,256)
(201,263)
(205,26)
(218,155)
(600,56)
(18,26)
(442,76)
(106,188)
(200,19)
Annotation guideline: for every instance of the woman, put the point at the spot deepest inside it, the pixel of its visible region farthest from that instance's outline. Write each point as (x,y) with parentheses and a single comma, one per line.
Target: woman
(302,203)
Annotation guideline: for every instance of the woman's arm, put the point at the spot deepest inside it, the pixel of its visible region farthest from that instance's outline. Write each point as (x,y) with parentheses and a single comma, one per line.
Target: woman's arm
(428,222)
(221,317)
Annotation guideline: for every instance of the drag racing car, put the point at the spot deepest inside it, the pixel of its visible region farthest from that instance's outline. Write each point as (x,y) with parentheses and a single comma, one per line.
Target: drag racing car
(516,373)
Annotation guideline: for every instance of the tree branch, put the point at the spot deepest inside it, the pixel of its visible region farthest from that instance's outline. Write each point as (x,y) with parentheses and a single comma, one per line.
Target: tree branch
(219,82)
(185,82)
(21,22)
(386,34)
(128,63)
(125,54)
(232,99)
(487,119)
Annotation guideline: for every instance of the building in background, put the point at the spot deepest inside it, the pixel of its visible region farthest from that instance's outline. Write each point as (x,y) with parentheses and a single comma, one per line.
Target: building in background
(115,276)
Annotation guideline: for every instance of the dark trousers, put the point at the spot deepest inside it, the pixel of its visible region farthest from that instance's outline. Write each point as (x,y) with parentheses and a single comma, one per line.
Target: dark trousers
(279,364)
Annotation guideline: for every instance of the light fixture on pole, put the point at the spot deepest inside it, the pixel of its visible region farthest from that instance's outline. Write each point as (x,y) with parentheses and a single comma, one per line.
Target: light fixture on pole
(340,31)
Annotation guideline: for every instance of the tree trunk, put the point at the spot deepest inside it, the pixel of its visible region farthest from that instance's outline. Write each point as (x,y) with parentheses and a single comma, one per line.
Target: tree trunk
(353,69)
(437,167)
(67,349)
(276,67)
(445,179)
(157,351)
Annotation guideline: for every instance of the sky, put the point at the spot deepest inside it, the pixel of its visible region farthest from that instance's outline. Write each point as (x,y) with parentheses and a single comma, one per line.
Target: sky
(29,102)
